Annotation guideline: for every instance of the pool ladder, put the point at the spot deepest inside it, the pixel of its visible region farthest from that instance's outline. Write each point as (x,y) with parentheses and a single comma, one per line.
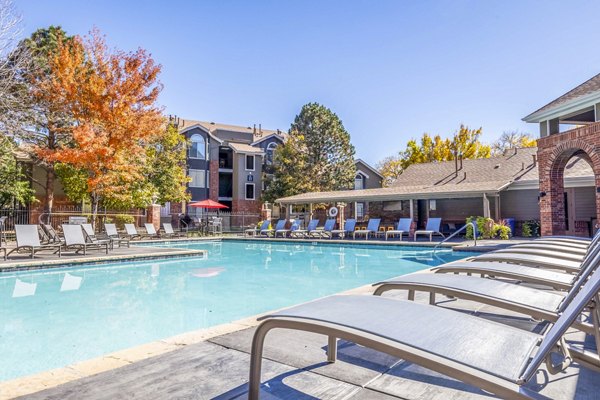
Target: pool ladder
(475,233)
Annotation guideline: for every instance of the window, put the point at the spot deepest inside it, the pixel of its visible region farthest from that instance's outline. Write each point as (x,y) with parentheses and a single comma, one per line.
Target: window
(249,163)
(249,191)
(198,147)
(197,176)
(359,182)
(360,210)
(270,153)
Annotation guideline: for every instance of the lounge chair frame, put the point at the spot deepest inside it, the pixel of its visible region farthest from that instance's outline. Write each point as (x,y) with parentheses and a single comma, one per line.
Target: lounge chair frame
(368,232)
(472,376)
(430,232)
(83,245)
(400,230)
(349,226)
(31,246)
(171,232)
(114,237)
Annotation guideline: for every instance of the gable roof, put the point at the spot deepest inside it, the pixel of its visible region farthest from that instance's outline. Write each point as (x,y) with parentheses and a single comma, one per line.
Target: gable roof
(369,167)
(214,128)
(243,148)
(591,87)
(442,180)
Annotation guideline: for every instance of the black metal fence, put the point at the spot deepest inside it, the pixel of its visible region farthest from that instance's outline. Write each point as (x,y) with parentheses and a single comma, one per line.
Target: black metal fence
(231,221)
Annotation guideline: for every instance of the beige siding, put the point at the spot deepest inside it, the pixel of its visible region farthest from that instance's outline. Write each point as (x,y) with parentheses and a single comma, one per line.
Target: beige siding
(520,204)
(585,203)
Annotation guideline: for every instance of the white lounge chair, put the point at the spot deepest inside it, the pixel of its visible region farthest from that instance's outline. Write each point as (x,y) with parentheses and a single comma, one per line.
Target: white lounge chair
(372,229)
(432,228)
(75,239)
(497,358)
(349,226)
(28,239)
(402,228)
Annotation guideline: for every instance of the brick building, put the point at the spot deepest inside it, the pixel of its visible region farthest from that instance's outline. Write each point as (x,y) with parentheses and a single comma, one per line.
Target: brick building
(227,163)
(569,129)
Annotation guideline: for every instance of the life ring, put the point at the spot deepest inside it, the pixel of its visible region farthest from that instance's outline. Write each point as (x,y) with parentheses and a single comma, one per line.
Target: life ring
(333,212)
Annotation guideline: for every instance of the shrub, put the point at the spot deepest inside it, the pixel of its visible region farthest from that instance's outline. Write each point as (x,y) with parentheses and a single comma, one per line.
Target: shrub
(526,230)
(487,229)
(531,228)
(122,219)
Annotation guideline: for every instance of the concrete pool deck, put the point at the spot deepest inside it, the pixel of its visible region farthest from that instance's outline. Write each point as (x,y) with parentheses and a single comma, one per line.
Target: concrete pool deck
(213,364)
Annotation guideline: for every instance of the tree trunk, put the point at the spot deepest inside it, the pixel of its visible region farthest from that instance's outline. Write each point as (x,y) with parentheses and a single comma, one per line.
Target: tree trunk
(50,176)
(95,202)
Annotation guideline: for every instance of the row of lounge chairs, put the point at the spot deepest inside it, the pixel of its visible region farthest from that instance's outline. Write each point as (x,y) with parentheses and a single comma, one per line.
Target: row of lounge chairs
(328,232)
(81,238)
(493,356)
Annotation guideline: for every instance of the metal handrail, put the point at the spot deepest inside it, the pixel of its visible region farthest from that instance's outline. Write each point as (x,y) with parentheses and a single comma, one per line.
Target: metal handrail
(473,224)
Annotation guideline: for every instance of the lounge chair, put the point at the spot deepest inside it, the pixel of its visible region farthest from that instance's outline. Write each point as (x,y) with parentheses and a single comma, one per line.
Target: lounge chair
(372,229)
(402,228)
(535,272)
(113,234)
(349,226)
(75,239)
(540,304)
(269,232)
(497,358)
(90,236)
(28,239)
(52,234)
(580,251)
(150,231)
(432,228)
(257,230)
(131,232)
(312,226)
(543,252)
(170,232)
(295,225)
(530,260)
(325,232)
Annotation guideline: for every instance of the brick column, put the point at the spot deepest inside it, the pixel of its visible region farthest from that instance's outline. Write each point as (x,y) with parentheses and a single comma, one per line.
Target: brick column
(153,215)
(214,180)
(554,152)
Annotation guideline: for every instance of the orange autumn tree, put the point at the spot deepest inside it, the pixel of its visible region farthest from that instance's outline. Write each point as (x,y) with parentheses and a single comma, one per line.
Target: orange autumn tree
(111,97)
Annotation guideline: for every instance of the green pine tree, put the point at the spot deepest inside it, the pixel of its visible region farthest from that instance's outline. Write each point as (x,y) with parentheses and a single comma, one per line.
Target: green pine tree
(317,156)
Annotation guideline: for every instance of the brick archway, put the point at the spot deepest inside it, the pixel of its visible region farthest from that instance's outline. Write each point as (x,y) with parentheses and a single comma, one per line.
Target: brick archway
(554,152)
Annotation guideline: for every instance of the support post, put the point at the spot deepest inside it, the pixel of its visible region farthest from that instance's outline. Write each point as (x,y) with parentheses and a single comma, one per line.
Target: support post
(486,206)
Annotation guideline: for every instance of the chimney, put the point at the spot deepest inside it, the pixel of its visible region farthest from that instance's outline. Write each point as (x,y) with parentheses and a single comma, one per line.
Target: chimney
(465,176)
(455,165)
(516,148)
(254,130)
(461,160)
(522,166)
(260,128)
(534,156)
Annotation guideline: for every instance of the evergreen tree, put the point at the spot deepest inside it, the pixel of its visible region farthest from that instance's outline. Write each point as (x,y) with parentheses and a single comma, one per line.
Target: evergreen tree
(317,156)
(14,187)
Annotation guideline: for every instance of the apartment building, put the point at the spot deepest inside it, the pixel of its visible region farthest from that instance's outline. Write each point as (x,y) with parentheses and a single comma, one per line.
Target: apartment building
(226,162)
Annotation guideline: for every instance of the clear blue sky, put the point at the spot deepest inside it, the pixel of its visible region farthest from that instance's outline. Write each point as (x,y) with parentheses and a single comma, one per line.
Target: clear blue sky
(391,70)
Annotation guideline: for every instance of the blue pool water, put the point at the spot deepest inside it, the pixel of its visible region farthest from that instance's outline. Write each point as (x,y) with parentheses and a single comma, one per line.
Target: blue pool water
(54,317)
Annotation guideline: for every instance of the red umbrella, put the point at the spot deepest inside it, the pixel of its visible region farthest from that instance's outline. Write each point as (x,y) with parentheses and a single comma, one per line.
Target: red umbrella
(207,204)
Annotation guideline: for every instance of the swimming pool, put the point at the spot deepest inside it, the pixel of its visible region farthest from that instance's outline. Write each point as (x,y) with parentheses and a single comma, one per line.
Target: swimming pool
(54,317)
